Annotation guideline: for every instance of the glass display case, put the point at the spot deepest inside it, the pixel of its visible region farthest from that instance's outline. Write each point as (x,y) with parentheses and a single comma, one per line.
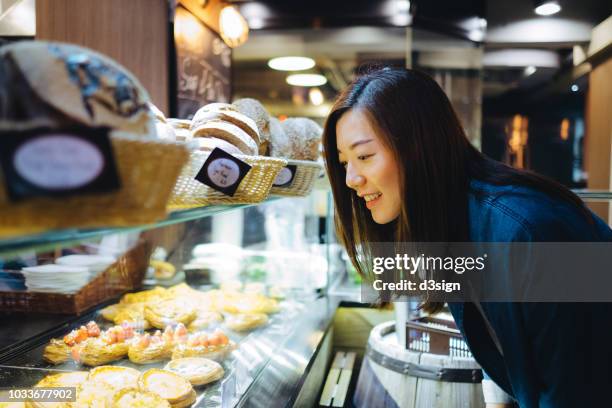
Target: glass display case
(240,256)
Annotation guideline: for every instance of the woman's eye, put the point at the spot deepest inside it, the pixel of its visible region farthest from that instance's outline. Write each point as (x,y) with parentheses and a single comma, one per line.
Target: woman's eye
(365,156)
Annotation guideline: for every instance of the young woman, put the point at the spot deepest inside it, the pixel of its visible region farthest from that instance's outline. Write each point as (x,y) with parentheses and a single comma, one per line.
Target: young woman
(402,169)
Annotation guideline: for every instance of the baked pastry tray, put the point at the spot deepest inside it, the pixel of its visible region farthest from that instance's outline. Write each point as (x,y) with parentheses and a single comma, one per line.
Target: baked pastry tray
(24,367)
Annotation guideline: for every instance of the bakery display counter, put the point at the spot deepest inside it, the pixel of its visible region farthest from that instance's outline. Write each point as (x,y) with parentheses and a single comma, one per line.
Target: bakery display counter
(266,362)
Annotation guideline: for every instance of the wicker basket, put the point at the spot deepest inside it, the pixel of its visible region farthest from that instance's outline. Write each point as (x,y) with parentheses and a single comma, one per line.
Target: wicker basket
(147,171)
(126,274)
(254,187)
(306,173)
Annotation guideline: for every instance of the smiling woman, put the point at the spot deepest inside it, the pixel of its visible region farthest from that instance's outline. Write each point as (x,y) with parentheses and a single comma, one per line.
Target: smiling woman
(402,171)
(371,168)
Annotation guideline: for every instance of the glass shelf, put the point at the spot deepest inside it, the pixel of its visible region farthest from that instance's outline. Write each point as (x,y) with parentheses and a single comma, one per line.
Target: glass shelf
(49,239)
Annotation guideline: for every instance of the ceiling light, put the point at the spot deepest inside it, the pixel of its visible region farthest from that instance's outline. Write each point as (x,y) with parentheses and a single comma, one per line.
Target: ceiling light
(256,23)
(233,27)
(574,88)
(291,63)
(530,70)
(401,20)
(306,80)
(402,6)
(316,96)
(547,8)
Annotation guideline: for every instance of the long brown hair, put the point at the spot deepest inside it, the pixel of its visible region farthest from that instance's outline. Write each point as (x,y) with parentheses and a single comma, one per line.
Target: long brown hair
(415,119)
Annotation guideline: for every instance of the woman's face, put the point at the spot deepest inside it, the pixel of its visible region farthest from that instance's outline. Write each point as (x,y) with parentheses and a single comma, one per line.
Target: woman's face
(371,168)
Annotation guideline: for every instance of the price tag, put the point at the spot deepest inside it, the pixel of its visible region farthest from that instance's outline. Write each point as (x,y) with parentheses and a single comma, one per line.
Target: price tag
(222,171)
(285,176)
(47,162)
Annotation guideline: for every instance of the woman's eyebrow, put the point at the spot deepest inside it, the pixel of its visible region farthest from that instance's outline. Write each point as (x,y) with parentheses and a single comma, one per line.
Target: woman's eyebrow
(357,143)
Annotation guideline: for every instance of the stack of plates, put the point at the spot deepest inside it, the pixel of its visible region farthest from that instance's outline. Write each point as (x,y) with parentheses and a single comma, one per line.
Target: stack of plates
(55,278)
(95,263)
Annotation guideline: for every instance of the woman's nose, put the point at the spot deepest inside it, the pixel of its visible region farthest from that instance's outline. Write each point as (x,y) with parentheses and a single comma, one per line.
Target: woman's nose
(353,179)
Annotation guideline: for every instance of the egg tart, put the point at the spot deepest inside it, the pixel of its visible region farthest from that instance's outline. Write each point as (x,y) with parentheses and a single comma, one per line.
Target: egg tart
(172,387)
(196,370)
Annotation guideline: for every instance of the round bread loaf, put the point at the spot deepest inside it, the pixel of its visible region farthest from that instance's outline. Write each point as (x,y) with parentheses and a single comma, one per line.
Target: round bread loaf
(219,106)
(228,132)
(305,136)
(209,143)
(280,145)
(58,85)
(236,118)
(256,111)
(181,129)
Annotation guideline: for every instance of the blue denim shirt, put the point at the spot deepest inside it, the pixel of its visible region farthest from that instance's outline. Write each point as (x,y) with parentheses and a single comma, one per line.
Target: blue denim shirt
(554,354)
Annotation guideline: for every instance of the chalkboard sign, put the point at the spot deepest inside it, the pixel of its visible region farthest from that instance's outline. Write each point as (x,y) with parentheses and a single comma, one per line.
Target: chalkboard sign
(203,65)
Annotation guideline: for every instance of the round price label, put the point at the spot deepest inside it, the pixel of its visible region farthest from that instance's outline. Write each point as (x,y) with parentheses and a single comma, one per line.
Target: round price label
(283,177)
(58,162)
(223,172)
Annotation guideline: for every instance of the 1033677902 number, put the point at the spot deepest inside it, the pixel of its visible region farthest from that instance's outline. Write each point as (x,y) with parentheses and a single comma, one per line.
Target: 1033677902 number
(38,394)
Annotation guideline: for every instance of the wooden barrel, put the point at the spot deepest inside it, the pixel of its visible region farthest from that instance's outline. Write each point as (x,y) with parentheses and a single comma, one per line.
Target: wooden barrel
(392,376)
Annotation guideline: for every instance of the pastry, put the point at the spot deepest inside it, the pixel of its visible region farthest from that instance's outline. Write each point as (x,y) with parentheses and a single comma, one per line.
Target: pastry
(134,398)
(71,379)
(59,351)
(196,370)
(204,318)
(246,321)
(56,352)
(256,111)
(133,314)
(109,312)
(305,136)
(168,385)
(93,394)
(147,349)
(116,377)
(228,132)
(207,144)
(215,346)
(157,113)
(109,346)
(155,294)
(165,131)
(169,312)
(204,115)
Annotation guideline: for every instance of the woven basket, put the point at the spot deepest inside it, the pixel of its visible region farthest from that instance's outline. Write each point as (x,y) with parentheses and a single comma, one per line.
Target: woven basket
(306,173)
(147,171)
(126,274)
(254,187)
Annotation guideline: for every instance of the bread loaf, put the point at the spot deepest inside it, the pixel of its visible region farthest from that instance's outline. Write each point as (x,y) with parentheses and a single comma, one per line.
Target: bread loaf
(59,85)
(181,129)
(280,145)
(209,143)
(305,136)
(256,111)
(228,132)
(245,123)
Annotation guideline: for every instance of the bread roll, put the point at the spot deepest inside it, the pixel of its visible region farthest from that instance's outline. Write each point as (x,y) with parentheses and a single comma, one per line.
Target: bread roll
(230,133)
(182,129)
(58,85)
(245,123)
(209,143)
(280,145)
(305,136)
(256,111)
